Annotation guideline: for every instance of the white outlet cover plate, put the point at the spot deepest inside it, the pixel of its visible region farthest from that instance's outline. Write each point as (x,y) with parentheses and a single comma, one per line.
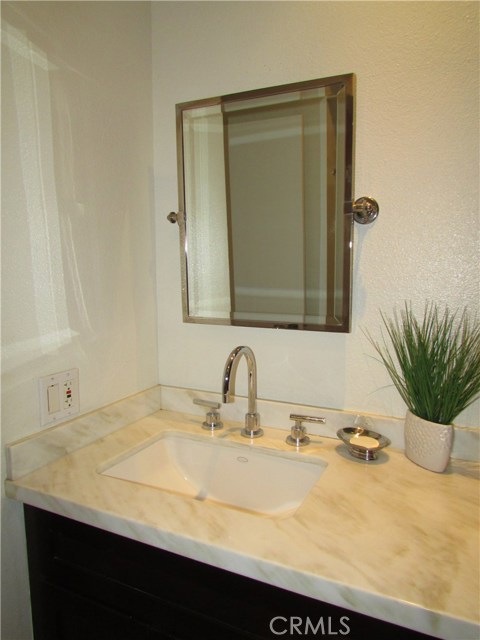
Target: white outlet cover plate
(59,396)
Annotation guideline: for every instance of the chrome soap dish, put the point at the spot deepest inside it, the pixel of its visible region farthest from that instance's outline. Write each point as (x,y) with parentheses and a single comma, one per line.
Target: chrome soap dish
(363,443)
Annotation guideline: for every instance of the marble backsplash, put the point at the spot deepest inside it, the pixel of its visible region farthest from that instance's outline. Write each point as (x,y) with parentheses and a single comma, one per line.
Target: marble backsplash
(39,449)
(43,447)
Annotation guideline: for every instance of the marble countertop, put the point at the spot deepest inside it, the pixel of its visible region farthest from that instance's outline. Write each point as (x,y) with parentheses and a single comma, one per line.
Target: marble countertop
(385,538)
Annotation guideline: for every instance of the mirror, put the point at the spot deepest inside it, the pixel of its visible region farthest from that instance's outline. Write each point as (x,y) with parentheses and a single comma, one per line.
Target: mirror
(265,195)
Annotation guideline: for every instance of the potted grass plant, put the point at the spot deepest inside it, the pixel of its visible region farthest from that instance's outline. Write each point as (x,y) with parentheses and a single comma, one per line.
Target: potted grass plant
(434,363)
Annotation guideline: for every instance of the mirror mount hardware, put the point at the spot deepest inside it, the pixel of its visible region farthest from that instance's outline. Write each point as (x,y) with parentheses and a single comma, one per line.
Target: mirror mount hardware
(365,210)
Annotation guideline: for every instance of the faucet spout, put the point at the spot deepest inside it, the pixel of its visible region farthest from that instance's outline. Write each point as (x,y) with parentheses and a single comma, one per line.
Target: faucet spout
(252,418)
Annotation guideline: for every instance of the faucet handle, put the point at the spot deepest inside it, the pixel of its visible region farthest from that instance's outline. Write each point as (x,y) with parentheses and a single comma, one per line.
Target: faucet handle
(298,436)
(212,419)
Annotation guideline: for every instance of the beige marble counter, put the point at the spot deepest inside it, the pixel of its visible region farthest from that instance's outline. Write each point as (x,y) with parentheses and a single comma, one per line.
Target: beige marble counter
(385,538)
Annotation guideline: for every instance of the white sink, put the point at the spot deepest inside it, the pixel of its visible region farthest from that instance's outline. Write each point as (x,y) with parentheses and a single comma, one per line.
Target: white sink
(252,478)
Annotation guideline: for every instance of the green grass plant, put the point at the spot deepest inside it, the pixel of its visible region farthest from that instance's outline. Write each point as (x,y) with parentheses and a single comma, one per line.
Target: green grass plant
(433,362)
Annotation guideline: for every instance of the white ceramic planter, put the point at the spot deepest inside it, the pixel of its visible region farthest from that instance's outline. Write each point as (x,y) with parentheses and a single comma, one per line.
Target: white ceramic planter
(428,444)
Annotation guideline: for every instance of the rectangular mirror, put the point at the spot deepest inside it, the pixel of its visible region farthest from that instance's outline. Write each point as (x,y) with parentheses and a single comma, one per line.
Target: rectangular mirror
(265,199)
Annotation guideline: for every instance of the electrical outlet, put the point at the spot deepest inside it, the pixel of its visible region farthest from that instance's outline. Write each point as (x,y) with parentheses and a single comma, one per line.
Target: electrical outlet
(59,396)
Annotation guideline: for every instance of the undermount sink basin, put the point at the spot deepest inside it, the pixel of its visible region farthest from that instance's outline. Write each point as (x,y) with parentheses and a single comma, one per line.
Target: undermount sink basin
(267,482)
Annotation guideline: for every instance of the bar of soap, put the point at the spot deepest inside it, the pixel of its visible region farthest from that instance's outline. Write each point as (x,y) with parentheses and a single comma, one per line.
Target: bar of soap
(364,441)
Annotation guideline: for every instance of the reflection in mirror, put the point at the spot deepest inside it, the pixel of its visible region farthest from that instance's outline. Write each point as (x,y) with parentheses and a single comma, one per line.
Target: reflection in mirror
(265,190)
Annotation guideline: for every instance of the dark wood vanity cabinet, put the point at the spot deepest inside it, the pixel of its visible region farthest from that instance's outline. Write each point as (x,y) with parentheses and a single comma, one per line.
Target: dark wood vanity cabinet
(88,584)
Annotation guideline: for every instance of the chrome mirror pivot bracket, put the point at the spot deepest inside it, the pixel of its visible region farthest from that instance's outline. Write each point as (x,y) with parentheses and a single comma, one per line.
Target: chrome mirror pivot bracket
(298,436)
(212,419)
(365,210)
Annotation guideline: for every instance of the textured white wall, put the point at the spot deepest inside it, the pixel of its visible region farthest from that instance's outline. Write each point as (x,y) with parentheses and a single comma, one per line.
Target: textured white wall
(78,274)
(78,254)
(417,153)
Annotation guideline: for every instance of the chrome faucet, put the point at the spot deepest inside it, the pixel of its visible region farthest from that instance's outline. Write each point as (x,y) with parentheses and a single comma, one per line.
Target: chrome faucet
(252,419)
